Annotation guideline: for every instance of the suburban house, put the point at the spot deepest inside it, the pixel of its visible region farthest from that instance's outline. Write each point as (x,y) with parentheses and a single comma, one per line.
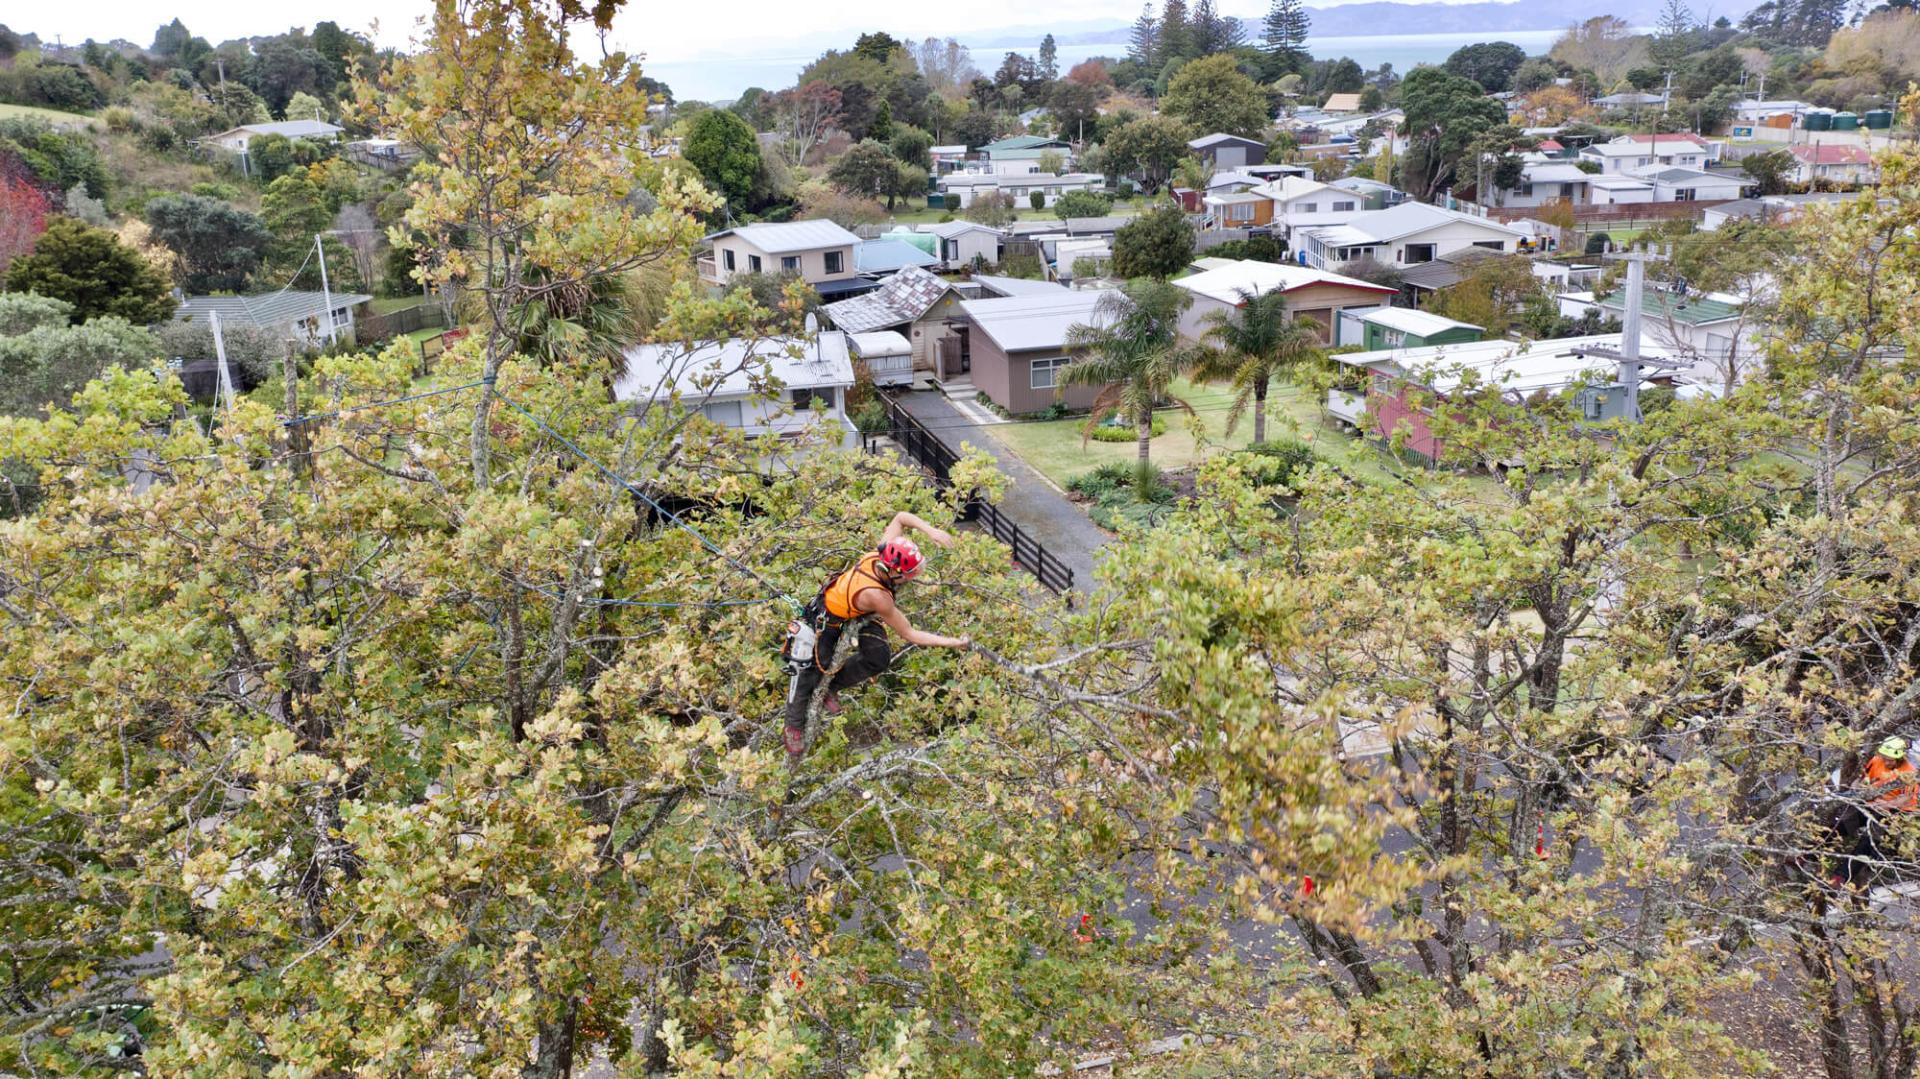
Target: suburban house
(887,255)
(1374,194)
(1709,336)
(1407,235)
(1546,180)
(1020,154)
(1237,210)
(1316,294)
(1341,103)
(960,243)
(1226,152)
(722,381)
(962,188)
(1629,152)
(1629,99)
(1419,283)
(1403,327)
(912,303)
(1398,388)
(948,158)
(1827,163)
(300,317)
(1013,349)
(238,139)
(821,252)
(1618,189)
(1678,184)
(1300,203)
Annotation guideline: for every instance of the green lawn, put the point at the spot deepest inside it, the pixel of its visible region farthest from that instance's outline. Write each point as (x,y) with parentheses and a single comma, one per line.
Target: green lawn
(387,305)
(52,116)
(1055,449)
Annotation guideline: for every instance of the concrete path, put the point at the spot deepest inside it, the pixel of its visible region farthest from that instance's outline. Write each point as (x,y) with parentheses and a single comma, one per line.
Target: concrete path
(1039,508)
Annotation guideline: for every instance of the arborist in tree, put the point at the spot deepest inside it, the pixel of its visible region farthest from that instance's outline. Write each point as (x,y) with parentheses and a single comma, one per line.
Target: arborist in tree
(1891,786)
(862,595)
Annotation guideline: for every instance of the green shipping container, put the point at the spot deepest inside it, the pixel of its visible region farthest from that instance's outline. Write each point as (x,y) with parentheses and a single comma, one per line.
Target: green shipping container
(1818,121)
(1878,119)
(1846,121)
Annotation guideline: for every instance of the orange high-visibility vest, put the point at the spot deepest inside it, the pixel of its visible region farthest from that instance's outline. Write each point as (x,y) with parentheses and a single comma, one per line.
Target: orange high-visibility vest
(1896,788)
(844,589)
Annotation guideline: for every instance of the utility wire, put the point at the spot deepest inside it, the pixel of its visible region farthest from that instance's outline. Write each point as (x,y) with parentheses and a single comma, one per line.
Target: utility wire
(318,416)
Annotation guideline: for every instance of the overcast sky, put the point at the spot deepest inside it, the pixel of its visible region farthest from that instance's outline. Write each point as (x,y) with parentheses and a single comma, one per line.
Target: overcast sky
(663,30)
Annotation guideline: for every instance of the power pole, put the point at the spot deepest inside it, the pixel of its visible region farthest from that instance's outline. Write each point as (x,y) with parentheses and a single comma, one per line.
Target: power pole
(326,294)
(1666,95)
(1630,321)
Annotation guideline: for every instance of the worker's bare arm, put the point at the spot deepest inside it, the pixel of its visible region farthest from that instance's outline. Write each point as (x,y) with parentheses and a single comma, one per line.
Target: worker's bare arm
(882,607)
(904,520)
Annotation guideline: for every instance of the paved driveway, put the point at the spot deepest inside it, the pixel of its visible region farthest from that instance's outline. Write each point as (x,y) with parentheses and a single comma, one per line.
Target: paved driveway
(1033,503)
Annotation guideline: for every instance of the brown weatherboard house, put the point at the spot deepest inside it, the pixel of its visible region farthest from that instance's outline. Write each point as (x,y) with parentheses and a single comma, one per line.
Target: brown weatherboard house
(1014,348)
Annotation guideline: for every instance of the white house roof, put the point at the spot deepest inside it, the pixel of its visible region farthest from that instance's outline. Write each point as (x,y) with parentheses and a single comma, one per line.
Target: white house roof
(1288,188)
(784,237)
(960,148)
(1228,283)
(1221,138)
(881,343)
(1231,177)
(1233,198)
(1406,219)
(293,129)
(1556,172)
(948,230)
(1038,320)
(1519,367)
(1017,286)
(1619,183)
(728,368)
(1419,323)
(267,310)
(1673,174)
(1032,179)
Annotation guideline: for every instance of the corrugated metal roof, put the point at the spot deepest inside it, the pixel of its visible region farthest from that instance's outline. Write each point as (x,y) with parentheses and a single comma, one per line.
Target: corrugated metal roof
(292,129)
(776,238)
(1228,283)
(1661,304)
(1024,323)
(886,256)
(948,230)
(655,371)
(1221,138)
(886,343)
(1419,323)
(267,310)
(904,297)
(1517,367)
(1017,286)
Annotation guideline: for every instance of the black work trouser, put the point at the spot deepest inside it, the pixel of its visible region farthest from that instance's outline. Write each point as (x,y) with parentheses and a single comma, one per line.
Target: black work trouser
(868,661)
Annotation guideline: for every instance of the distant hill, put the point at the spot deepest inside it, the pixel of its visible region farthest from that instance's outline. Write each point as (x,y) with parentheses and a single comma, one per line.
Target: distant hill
(1388,17)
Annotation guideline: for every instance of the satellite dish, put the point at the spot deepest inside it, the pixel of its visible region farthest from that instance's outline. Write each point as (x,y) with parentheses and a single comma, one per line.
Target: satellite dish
(813,323)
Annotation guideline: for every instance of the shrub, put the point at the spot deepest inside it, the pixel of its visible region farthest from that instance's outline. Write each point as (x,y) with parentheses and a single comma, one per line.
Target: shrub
(1597,243)
(1037,199)
(1109,432)
(1279,462)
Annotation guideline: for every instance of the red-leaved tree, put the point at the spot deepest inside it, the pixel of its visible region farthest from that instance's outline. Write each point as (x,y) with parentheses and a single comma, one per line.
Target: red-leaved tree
(23,211)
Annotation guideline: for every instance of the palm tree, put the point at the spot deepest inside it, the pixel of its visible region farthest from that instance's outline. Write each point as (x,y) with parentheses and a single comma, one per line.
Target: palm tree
(1133,349)
(570,321)
(1253,344)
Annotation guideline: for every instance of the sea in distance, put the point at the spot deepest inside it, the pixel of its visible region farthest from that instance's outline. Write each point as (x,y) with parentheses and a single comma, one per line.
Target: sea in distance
(722,78)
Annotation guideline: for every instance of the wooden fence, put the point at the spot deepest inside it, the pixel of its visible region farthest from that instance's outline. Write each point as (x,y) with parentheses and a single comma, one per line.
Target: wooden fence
(371,328)
(938,459)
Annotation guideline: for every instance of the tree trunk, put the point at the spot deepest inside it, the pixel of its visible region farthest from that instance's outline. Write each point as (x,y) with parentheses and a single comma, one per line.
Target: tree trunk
(1143,432)
(1259,410)
(553,1057)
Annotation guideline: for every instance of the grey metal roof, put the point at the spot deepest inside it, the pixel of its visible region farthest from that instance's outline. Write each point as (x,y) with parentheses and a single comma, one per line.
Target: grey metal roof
(1024,323)
(948,230)
(904,297)
(268,310)
(785,237)
(886,256)
(1017,286)
(1220,138)
(293,129)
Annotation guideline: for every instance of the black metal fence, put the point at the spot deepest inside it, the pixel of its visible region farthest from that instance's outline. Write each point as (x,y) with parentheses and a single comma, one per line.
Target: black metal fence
(938,459)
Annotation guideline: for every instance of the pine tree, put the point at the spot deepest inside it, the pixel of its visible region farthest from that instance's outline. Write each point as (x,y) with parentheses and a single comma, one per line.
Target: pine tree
(1673,38)
(1213,32)
(1176,34)
(1049,59)
(1143,47)
(1285,36)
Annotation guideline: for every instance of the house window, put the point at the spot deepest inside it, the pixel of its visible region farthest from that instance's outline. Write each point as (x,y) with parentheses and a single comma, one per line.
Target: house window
(726,259)
(340,316)
(1342,207)
(1524,190)
(1491,245)
(790,262)
(1394,338)
(1415,254)
(1684,194)
(724,413)
(1242,211)
(1045,374)
(803,399)
(1308,207)
(753,263)
(836,262)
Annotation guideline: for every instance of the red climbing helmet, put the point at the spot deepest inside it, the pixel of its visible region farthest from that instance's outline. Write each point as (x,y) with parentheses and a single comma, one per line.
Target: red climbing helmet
(902,556)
